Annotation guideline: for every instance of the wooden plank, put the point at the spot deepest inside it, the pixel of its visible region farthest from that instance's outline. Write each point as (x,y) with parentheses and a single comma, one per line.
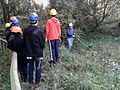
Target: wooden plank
(15,83)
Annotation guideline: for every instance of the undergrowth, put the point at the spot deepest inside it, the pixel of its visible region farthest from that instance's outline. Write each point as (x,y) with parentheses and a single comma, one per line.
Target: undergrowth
(90,66)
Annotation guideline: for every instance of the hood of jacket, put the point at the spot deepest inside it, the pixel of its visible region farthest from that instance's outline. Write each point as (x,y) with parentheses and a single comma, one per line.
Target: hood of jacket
(55,20)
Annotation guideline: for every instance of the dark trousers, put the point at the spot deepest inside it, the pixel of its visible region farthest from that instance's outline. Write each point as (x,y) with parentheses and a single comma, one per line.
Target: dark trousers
(54,51)
(22,67)
(38,63)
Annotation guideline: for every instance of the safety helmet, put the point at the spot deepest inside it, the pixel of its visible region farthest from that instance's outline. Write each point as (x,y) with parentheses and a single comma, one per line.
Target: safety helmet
(16,29)
(53,12)
(12,18)
(15,22)
(70,24)
(33,17)
(7,25)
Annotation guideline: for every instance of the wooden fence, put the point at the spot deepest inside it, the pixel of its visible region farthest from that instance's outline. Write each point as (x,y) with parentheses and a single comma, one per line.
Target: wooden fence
(3,46)
(14,78)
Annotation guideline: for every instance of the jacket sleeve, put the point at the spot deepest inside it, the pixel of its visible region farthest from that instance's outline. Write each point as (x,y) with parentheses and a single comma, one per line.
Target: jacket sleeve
(59,30)
(7,34)
(47,29)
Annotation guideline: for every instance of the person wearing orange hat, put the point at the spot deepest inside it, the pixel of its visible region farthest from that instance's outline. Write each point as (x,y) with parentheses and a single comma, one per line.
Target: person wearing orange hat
(16,44)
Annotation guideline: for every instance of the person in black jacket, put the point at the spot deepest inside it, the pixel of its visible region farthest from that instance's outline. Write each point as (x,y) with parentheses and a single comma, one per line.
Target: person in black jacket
(7,31)
(16,44)
(34,44)
(8,27)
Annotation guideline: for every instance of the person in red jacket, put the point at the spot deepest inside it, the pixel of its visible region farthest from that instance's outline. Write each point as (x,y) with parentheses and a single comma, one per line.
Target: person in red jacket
(53,36)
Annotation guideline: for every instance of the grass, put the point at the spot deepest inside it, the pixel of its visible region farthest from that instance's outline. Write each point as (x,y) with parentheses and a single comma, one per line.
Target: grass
(83,68)
(4,74)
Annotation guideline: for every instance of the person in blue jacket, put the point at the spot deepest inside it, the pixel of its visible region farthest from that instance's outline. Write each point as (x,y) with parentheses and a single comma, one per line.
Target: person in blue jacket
(34,42)
(70,34)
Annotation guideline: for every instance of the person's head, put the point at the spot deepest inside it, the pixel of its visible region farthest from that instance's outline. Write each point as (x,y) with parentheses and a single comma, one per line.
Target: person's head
(12,18)
(15,22)
(53,12)
(7,25)
(16,29)
(70,25)
(33,18)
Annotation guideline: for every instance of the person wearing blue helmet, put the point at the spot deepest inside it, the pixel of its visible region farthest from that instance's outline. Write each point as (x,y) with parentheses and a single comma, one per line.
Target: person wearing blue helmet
(16,22)
(34,45)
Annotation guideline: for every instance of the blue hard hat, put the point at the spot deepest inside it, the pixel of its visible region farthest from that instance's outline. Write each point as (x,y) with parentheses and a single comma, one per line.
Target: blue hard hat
(33,17)
(15,22)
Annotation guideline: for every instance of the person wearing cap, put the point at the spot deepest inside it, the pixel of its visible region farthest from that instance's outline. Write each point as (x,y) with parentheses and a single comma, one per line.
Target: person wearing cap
(53,36)
(8,27)
(34,43)
(16,44)
(70,34)
(7,31)
(12,18)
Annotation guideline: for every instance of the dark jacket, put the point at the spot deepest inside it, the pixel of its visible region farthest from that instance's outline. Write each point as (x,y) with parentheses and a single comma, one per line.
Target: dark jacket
(15,42)
(70,32)
(7,33)
(34,41)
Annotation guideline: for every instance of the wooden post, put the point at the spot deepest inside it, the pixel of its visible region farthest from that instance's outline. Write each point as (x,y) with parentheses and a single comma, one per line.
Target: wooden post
(15,83)
(3,46)
(3,43)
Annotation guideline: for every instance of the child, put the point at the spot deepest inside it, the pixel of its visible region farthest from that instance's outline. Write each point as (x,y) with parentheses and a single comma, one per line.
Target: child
(8,27)
(53,36)
(34,43)
(7,31)
(70,33)
(16,43)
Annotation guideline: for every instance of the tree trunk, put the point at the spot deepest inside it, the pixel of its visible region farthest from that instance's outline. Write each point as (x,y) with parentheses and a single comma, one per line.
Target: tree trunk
(5,11)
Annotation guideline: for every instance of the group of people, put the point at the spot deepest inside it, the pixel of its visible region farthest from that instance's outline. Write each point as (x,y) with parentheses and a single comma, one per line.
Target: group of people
(29,43)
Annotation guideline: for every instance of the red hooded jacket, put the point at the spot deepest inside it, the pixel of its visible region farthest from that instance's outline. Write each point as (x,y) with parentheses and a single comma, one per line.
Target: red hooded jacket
(53,29)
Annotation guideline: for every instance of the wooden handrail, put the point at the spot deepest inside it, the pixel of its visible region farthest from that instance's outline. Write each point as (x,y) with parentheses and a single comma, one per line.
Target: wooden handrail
(3,46)
(3,40)
(14,78)
(15,83)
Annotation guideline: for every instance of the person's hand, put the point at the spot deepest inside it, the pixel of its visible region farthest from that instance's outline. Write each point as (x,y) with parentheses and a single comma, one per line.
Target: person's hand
(59,39)
(46,40)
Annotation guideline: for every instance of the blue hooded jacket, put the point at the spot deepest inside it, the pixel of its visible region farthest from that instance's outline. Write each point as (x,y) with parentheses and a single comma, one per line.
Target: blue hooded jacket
(70,32)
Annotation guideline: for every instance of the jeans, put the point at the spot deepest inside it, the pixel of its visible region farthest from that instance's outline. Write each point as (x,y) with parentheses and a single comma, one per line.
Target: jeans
(22,67)
(70,43)
(54,51)
(38,64)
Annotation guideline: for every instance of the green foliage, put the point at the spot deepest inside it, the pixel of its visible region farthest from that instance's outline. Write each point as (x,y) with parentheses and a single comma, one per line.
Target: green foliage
(5,65)
(85,15)
(87,70)
(81,69)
